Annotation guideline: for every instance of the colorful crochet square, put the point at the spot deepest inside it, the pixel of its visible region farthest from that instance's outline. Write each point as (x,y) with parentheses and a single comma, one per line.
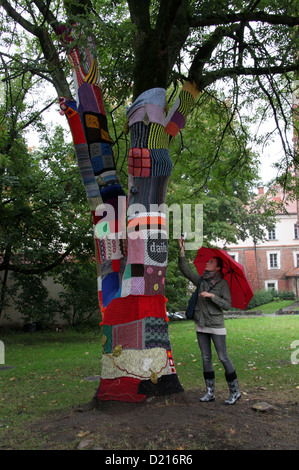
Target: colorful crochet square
(129,335)
(154,280)
(137,286)
(110,285)
(150,332)
(139,162)
(96,127)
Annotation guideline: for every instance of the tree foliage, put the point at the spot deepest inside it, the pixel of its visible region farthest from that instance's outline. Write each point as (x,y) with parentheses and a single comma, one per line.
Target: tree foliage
(42,209)
(242,57)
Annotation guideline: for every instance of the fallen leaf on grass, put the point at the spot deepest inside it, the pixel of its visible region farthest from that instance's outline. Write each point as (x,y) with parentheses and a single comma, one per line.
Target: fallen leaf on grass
(83,433)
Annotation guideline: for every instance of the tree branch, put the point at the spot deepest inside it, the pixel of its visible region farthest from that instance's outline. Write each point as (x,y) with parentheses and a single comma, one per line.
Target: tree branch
(211,77)
(229,18)
(46,12)
(36,115)
(139,12)
(166,18)
(18,18)
(204,54)
(44,269)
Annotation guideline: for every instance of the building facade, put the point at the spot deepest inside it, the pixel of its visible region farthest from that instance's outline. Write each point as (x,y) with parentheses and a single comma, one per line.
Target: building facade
(274,263)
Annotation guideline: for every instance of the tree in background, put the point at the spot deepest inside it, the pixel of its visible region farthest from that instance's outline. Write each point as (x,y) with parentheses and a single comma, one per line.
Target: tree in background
(42,210)
(216,41)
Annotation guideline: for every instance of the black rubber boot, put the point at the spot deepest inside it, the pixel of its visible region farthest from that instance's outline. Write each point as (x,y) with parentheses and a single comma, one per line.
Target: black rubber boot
(210,384)
(233,386)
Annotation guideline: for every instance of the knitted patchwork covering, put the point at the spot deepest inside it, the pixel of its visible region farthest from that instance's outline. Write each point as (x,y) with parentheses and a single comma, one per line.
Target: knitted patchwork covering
(69,108)
(155,96)
(134,307)
(157,138)
(88,123)
(127,389)
(175,120)
(123,389)
(150,332)
(148,191)
(165,385)
(91,99)
(137,360)
(141,364)
(154,112)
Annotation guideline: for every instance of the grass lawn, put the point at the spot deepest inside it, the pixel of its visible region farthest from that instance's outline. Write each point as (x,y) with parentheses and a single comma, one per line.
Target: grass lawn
(50,368)
(273,306)
(49,371)
(260,349)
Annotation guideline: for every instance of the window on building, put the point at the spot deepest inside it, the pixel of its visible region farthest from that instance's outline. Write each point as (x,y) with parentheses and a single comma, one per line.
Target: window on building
(296,231)
(273,259)
(234,255)
(271,285)
(296,258)
(272,234)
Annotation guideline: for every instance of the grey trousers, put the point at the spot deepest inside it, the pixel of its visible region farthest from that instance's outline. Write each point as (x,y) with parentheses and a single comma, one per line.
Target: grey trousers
(205,345)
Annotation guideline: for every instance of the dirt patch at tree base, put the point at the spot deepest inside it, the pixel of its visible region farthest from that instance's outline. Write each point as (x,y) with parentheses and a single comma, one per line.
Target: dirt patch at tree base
(179,422)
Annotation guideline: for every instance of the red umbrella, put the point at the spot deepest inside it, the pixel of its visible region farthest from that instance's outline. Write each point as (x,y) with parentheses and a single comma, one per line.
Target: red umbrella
(240,287)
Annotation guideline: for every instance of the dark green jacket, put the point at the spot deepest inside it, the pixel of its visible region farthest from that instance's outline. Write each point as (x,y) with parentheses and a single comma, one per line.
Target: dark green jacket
(208,312)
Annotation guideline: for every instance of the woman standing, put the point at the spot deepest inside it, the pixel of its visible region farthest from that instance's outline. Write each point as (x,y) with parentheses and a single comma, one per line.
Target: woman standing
(214,295)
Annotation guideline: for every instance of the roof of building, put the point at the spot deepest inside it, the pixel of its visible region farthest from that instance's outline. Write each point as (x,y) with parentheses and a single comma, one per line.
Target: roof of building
(293,273)
(277,194)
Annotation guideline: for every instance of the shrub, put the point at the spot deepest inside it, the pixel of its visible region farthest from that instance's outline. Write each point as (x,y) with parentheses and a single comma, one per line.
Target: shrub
(286,295)
(32,299)
(265,296)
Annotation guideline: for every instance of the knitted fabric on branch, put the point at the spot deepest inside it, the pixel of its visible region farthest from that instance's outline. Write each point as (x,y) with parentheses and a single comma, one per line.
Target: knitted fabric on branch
(93,145)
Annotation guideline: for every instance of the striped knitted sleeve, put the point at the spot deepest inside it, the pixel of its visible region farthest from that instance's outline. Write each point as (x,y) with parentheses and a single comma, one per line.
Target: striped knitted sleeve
(176,118)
